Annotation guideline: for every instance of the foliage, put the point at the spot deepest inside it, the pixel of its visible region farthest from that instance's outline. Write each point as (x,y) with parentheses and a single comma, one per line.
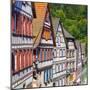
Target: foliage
(74,19)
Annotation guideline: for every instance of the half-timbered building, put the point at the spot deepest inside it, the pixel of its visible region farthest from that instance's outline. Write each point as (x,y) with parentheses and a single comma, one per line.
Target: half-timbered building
(78,63)
(59,60)
(43,45)
(84,59)
(71,58)
(22,44)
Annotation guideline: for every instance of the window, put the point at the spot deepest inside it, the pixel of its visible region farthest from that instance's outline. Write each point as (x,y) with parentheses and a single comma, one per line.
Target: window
(51,73)
(61,52)
(68,65)
(67,54)
(48,73)
(63,81)
(20,61)
(18,4)
(61,39)
(30,57)
(44,54)
(71,65)
(40,54)
(59,28)
(60,67)
(56,68)
(60,82)
(26,58)
(45,75)
(64,52)
(47,54)
(53,69)
(17,61)
(13,23)
(73,53)
(27,26)
(55,53)
(63,66)
(36,54)
(70,54)
(13,63)
(56,83)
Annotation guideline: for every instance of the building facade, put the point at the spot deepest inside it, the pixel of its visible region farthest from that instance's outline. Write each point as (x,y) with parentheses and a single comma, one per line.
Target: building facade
(71,58)
(59,60)
(22,44)
(78,63)
(43,53)
(43,45)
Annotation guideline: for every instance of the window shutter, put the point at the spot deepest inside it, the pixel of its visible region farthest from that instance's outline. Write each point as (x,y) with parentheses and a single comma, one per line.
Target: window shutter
(22,60)
(19,24)
(30,28)
(30,57)
(27,27)
(34,58)
(40,55)
(22,17)
(24,22)
(13,63)
(17,61)
(12,26)
(26,58)
(43,55)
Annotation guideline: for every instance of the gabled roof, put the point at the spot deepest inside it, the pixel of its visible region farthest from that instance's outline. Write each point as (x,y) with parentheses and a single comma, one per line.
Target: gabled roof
(67,34)
(78,44)
(40,10)
(55,22)
(83,47)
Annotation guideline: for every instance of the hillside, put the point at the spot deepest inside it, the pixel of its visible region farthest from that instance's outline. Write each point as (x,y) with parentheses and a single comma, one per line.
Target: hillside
(74,19)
